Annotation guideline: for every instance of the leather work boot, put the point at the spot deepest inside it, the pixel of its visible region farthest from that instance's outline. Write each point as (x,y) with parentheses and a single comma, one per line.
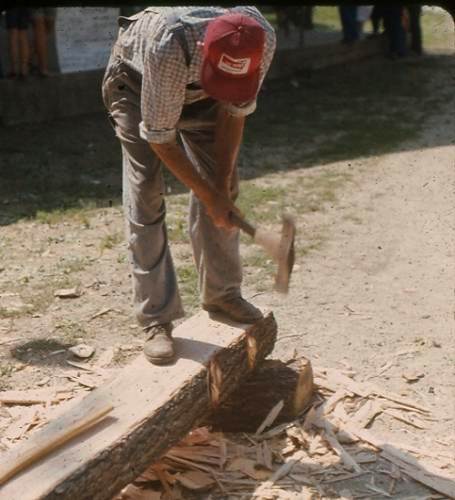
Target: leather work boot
(158,347)
(235,308)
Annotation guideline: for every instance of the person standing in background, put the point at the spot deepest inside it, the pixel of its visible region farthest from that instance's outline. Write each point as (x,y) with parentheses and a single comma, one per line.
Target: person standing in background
(393,23)
(17,23)
(1,67)
(350,27)
(415,12)
(43,27)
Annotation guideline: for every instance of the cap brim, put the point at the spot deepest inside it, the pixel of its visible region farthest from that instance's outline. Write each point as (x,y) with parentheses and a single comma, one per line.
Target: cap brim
(232,90)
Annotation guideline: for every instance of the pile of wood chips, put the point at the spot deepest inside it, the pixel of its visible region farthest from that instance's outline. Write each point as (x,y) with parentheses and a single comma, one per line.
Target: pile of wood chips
(327,452)
(309,458)
(25,411)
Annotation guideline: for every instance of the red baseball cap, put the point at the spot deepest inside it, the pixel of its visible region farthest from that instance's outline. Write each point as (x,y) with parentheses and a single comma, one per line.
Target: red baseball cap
(233,48)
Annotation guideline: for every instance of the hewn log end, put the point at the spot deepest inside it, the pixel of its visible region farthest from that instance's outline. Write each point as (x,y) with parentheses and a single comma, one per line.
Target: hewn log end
(268,384)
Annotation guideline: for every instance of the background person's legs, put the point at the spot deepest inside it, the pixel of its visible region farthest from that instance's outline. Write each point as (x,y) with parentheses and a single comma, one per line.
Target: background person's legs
(415,11)
(40,39)
(24,52)
(43,29)
(348,17)
(17,22)
(395,31)
(13,47)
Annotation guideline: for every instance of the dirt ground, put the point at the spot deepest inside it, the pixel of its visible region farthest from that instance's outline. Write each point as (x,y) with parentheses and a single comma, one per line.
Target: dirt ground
(372,292)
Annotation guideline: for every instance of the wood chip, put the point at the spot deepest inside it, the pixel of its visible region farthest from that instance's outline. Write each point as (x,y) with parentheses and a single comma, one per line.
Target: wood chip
(380,491)
(196,480)
(30,397)
(68,293)
(435,479)
(403,401)
(367,413)
(132,492)
(279,473)
(82,350)
(270,418)
(102,312)
(105,358)
(84,380)
(21,425)
(345,477)
(249,468)
(414,422)
(412,377)
(347,459)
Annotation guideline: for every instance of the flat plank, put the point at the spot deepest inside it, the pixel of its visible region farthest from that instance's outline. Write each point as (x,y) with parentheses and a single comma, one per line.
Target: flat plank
(153,408)
(435,480)
(56,433)
(31,397)
(427,474)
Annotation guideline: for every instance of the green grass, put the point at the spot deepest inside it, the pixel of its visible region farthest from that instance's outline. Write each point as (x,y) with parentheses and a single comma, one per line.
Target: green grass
(111,240)
(437,31)
(6,371)
(69,332)
(326,18)
(80,214)
(263,266)
(188,284)
(177,218)
(73,265)
(11,313)
(37,296)
(261,203)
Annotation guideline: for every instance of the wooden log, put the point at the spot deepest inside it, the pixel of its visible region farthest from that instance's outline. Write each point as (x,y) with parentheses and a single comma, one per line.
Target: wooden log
(271,382)
(153,409)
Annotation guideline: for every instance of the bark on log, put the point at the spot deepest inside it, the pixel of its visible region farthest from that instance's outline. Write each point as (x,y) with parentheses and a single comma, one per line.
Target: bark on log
(272,381)
(154,408)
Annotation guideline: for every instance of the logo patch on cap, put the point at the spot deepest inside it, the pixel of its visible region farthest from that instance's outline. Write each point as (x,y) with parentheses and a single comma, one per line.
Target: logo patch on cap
(234,66)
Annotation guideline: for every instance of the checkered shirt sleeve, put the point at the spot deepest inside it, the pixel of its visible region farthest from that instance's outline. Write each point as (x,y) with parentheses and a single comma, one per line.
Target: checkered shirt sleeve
(163,89)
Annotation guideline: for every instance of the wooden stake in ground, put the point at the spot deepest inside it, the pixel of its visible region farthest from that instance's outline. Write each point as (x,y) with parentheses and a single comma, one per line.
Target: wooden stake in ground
(154,408)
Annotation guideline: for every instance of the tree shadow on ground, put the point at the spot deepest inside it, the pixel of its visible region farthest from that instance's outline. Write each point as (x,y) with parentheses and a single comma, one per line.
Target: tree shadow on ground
(337,114)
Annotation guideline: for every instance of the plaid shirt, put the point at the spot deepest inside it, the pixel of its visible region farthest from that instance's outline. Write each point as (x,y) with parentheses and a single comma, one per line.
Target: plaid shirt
(148,46)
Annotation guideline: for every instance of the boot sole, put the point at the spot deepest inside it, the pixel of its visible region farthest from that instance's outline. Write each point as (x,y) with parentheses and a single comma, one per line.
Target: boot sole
(210,308)
(161,360)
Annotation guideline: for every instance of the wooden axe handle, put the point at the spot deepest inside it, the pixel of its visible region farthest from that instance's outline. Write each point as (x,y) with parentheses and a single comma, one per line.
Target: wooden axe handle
(243,224)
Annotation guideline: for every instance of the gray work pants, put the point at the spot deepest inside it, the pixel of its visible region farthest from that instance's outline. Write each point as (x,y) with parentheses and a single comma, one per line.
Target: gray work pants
(216,251)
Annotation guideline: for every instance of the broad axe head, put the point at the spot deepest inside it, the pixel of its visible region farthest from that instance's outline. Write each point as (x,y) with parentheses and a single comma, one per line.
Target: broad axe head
(281,248)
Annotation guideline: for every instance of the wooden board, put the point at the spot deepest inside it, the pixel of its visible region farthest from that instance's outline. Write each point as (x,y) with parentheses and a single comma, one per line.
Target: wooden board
(154,407)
